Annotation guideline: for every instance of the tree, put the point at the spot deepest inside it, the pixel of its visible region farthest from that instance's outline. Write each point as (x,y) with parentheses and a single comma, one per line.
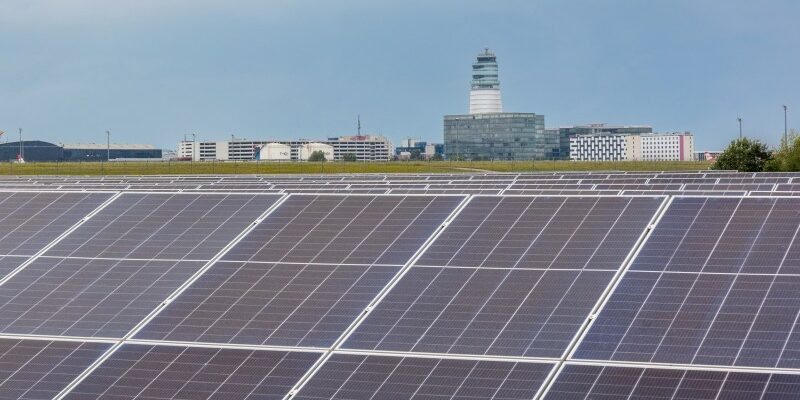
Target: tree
(349,157)
(744,155)
(318,155)
(415,155)
(786,158)
(437,157)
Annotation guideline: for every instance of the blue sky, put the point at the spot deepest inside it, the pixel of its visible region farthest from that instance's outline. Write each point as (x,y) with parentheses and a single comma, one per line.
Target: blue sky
(153,70)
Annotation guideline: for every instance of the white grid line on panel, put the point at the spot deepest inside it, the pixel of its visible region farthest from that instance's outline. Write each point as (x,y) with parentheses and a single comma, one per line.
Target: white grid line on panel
(169,299)
(59,238)
(313,370)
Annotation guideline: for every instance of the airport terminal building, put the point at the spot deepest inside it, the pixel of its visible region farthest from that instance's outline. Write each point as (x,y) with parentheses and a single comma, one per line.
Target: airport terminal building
(40,151)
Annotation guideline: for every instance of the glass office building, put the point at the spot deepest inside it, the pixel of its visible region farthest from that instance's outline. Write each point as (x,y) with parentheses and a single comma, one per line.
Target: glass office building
(498,136)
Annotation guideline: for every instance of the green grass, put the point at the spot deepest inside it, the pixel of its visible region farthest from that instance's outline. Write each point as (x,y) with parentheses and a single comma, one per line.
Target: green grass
(187,168)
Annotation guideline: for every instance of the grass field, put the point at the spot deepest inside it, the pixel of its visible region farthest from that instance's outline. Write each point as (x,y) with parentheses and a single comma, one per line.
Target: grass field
(188,168)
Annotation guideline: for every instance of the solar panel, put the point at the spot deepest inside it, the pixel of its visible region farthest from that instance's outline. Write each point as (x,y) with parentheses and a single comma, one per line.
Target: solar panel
(87,297)
(543,232)
(689,318)
(147,372)
(345,229)
(365,377)
(613,382)
(164,226)
(728,235)
(274,304)
(40,369)
(508,312)
(31,220)
(716,283)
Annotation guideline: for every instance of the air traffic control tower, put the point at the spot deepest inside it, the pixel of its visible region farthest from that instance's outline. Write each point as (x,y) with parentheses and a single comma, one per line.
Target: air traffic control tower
(484,97)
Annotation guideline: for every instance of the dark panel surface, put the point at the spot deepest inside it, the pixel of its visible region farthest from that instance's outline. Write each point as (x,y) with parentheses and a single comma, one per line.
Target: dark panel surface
(81,297)
(750,235)
(543,232)
(345,229)
(719,319)
(40,369)
(164,226)
(186,373)
(622,383)
(359,377)
(275,304)
(31,220)
(482,311)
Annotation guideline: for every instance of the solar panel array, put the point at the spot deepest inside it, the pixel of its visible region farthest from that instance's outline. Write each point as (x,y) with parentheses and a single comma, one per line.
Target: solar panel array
(501,286)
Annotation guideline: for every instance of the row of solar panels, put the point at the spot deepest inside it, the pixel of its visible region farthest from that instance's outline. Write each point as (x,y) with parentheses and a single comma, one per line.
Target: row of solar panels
(244,296)
(698,183)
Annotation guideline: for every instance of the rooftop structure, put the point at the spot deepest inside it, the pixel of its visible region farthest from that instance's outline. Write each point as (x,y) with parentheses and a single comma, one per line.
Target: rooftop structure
(484,96)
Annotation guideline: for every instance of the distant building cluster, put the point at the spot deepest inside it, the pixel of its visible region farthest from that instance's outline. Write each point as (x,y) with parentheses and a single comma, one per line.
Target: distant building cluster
(412,149)
(488,133)
(354,147)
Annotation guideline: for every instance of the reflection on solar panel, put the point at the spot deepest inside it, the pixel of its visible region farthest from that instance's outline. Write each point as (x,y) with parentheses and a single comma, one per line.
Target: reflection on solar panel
(39,369)
(164,226)
(146,372)
(275,304)
(85,297)
(543,232)
(608,382)
(345,229)
(533,313)
(31,220)
(365,377)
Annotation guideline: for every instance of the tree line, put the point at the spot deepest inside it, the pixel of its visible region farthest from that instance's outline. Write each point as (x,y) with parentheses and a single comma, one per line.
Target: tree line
(751,155)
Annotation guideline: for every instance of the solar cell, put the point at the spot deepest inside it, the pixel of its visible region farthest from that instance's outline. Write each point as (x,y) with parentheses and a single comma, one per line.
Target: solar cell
(87,297)
(365,377)
(40,369)
(543,232)
(274,304)
(164,226)
(345,229)
(31,220)
(146,372)
(508,312)
(611,382)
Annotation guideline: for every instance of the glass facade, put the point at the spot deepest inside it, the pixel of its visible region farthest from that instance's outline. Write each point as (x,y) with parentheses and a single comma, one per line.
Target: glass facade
(484,71)
(499,136)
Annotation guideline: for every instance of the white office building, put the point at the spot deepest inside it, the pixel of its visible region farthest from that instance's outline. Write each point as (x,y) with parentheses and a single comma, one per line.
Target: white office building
(630,147)
(364,147)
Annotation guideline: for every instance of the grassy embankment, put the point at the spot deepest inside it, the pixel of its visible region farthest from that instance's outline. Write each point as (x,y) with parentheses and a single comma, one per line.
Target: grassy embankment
(187,168)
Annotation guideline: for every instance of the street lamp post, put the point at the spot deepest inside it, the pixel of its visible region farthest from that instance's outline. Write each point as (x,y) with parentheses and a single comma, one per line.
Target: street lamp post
(194,145)
(108,145)
(740,126)
(785,126)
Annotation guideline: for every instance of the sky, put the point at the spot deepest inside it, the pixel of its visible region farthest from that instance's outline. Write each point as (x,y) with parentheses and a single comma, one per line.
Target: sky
(151,71)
